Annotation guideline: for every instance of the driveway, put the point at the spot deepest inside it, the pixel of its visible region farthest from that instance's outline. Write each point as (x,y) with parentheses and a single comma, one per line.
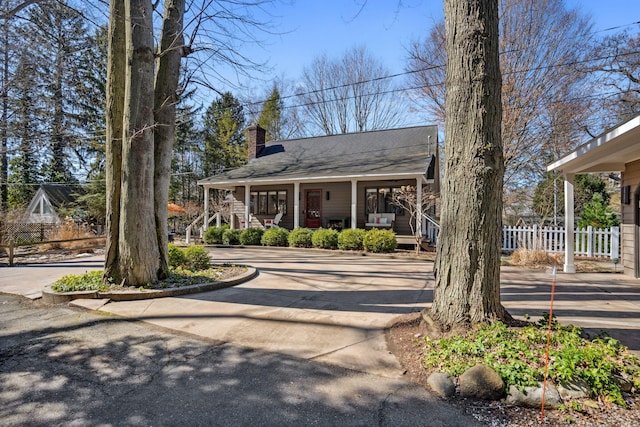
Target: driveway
(315,305)
(332,307)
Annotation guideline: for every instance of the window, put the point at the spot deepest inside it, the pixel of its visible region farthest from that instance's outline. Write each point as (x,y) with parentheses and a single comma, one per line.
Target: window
(268,202)
(380,200)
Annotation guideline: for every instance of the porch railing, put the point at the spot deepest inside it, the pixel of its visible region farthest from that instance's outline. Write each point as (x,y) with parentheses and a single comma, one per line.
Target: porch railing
(433,227)
(196,222)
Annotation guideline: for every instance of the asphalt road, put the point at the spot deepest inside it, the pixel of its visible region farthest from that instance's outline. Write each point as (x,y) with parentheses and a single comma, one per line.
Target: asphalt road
(59,367)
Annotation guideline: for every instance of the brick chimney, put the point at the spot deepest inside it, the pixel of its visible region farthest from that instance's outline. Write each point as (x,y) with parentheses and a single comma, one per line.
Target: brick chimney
(255,141)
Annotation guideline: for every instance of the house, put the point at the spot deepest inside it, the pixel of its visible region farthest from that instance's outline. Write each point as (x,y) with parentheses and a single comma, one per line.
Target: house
(336,181)
(45,205)
(616,150)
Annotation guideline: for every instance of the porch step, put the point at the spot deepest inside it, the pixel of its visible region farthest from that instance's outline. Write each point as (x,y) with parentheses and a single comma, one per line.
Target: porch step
(410,240)
(427,246)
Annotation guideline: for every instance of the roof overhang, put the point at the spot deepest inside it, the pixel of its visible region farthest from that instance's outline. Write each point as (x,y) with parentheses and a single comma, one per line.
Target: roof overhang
(609,152)
(230,185)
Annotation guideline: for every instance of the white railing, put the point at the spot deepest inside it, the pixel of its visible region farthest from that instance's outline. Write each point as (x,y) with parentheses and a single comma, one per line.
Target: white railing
(432,229)
(591,242)
(217,216)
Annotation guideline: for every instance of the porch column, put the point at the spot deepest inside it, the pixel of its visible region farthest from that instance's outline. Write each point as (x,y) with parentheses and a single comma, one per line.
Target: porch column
(232,215)
(247,207)
(354,204)
(206,208)
(296,205)
(419,217)
(569,244)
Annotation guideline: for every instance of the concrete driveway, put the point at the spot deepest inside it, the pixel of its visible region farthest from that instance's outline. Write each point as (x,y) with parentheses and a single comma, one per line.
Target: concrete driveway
(315,305)
(332,307)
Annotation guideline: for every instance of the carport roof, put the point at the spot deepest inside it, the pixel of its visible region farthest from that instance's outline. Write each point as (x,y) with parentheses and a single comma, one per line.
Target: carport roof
(384,153)
(608,152)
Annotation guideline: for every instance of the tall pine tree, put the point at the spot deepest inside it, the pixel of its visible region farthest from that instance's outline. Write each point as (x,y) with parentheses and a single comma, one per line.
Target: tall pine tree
(271,116)
(58,43)
(26,133)
(225,145)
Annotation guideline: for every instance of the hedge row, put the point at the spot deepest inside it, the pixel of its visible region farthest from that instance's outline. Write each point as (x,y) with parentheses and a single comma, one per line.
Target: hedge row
(374,240)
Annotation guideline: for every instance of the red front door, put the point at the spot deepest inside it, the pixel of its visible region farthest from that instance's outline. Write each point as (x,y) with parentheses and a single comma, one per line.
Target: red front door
(313,211)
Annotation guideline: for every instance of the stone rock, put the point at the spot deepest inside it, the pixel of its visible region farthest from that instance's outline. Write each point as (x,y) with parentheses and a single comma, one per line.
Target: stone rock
(442,384)
(481,382)
(532,397)
(575,388)
(625,385)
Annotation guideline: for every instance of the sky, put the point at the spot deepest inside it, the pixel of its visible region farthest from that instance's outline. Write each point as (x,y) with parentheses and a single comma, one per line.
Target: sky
(309,28)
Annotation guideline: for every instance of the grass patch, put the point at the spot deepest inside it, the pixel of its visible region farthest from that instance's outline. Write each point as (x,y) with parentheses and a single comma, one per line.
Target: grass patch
(518,356)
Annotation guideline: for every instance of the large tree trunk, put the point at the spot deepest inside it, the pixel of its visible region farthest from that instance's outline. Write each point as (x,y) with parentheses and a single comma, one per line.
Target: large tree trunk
(467,264)
(114,119)
(139,149)
(166,85)
(138,247)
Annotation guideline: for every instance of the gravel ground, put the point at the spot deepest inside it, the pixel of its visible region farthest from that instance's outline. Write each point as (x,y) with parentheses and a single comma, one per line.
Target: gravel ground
(401,341)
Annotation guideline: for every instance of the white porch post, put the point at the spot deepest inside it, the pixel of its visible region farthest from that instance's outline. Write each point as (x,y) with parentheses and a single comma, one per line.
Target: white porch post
(296,205)
(419,218)
(232,217)
(354,204)
(247,207)
(569,246)
(206,208)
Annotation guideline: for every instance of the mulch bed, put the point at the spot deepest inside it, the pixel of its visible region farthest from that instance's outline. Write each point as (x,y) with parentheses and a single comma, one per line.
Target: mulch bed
(402,341)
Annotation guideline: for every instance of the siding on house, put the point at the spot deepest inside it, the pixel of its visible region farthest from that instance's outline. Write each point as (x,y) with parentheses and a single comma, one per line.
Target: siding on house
(631,177)
(336,205)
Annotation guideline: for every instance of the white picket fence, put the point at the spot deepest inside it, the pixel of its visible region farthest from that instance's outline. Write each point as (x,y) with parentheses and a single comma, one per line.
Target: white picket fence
(591,242)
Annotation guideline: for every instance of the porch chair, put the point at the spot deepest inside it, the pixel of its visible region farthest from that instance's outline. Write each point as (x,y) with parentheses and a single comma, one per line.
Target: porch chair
(274,223)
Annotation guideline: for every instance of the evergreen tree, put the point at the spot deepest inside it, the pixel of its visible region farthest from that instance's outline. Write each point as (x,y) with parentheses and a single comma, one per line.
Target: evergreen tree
(271,116)
(598,214)
(90,146)
(94,199)
(8,54)
(186,153)
(585,187)
(57,42)
(24,167)
(225,145)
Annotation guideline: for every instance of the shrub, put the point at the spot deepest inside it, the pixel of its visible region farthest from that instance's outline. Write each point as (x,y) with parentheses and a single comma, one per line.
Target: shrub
(515,354)
(251,236)
(91,281)
(351,239)
(325,238)
(176,256)
(197,258)
(231,237)
(531,257)
(275,237)
(213,235)
(376,240)
(301,238)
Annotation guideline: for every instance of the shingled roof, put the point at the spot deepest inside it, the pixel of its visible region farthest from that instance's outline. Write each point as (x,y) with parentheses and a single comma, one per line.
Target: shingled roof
(383,154)
(61,194)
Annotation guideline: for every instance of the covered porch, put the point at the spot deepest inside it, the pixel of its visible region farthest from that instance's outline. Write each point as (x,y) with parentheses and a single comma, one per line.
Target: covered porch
(617,150)
(345,202)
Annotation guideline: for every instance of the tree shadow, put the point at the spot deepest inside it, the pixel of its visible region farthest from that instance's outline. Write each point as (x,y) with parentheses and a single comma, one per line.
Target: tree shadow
(105,371)
(595,302)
